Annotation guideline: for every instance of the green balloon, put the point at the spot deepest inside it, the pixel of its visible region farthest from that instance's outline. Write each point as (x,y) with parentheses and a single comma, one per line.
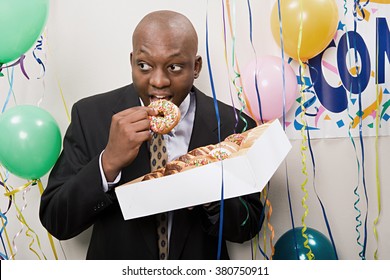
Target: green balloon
(21,23)
(30,141)
(290,247)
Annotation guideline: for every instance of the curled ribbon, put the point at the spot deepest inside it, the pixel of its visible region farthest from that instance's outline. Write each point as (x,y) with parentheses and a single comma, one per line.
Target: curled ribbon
(29,232)
(235,67)
(377,124)
(309,254)
(38,47)
(221,214)
(270,227)
(357,7)
(262,220)
(20,61)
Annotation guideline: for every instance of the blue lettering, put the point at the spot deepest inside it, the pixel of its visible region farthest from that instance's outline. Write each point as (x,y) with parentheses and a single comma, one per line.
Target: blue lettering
(383,46)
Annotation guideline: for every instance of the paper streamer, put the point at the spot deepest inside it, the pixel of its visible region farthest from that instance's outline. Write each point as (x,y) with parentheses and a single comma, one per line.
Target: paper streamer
(10,91)
(237,77)
(377,124)
(264,193)
(309,254)
(20,61)
(284,128)
(357,6)
(221,215)
(30,232)
(270,227)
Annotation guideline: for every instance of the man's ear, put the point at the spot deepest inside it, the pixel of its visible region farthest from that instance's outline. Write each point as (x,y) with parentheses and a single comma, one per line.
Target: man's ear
(198,66)
(131,58)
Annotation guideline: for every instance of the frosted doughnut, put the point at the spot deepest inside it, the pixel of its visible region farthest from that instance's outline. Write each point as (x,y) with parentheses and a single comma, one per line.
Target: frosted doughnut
(200,161)
(167,118)
(236,138)
(224,150)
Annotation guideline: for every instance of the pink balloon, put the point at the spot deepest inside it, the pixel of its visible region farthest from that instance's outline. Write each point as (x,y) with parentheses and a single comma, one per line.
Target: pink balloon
(269,73)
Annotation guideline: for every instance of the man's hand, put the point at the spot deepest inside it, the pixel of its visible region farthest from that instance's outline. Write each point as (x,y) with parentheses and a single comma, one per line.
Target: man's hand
(129,129)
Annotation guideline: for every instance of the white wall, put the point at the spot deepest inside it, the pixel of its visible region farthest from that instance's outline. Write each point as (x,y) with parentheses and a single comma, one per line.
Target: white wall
(87,52)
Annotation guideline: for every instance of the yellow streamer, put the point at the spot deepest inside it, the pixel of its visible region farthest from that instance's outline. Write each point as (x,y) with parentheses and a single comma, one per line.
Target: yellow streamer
(23,221)
(378,185)
(264,193)
(58,83)
(270,227)
(29,232)
(310,254)
(40,187)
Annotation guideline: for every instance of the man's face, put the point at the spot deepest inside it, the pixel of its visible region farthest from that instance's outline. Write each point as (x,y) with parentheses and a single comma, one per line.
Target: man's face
(164,65)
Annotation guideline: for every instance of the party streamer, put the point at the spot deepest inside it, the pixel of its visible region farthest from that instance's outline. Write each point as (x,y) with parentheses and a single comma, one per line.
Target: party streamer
(38,47)
(270,227)
(226,59)
(262,220)
(40,188)
(284,128)
(3,183)
(221,216)
(255,54)
(58,82)
(10,91)
(29,232)
(306,105)
(309,254)
(377,124)
(318,197)
(4,221)
(237,75)
(357,6)
(21,218)
(20,61)
(352,122)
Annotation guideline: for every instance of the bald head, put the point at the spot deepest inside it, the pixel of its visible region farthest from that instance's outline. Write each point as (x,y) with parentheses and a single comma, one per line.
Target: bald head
(169,23)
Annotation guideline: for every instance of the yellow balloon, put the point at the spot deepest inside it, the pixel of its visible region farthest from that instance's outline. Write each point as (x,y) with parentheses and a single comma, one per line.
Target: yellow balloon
(319,20)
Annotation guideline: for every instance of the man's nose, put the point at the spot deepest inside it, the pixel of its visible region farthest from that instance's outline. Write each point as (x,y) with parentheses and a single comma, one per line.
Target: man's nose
(159,79)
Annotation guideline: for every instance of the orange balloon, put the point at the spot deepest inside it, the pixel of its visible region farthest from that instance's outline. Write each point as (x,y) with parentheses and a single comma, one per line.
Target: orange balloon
(319,25)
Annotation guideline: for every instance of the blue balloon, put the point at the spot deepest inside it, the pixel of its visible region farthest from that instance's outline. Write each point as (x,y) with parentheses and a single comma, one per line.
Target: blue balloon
(286,248)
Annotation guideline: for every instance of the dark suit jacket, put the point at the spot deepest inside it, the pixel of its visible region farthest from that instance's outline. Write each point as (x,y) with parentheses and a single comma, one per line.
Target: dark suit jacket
(74,198)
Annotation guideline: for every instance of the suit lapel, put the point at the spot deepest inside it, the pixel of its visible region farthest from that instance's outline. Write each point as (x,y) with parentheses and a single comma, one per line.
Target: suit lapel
(205,130)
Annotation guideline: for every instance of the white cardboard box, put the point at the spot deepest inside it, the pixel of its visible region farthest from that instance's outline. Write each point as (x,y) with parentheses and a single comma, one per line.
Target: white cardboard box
(244,174)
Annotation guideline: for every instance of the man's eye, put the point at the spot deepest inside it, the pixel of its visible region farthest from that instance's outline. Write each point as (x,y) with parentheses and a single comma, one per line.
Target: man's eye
(144,66)
(175,68)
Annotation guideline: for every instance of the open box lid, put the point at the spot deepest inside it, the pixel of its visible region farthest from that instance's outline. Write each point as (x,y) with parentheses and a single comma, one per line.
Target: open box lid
(245,173)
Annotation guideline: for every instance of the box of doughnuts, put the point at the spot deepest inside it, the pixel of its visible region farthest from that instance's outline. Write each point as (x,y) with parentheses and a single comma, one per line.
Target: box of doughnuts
(241,164)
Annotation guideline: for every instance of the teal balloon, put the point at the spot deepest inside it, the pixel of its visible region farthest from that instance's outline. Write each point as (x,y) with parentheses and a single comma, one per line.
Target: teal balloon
(21,23)
(286,249)
(30,141)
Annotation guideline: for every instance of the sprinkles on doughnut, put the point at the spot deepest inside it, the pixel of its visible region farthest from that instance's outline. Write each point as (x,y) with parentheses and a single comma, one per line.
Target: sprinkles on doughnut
(168,116)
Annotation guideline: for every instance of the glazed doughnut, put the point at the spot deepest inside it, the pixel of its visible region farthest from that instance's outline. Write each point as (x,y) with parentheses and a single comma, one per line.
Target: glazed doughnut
(155,174)
(168,116)
(201,151)
(174,167)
